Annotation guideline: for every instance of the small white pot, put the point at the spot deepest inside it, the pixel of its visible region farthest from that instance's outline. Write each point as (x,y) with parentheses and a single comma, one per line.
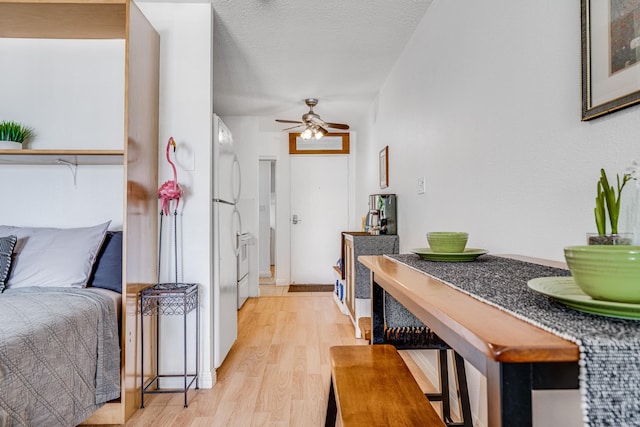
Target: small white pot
(10,145)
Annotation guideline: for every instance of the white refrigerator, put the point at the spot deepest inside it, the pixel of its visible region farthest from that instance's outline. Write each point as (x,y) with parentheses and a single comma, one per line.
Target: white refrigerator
(226,226)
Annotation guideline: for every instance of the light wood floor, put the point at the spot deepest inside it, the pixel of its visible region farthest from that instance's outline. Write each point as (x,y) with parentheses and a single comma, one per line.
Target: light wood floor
(277,373)
(271,280)
(275,291)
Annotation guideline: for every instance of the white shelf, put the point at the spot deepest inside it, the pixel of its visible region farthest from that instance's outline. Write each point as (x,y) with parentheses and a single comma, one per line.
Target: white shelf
(338,274)
(52,157)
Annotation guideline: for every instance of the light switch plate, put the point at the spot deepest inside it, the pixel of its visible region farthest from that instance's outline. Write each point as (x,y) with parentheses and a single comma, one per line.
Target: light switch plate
(421,185)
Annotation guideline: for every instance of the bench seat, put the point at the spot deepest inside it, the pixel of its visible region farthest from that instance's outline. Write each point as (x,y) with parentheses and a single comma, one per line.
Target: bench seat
(372,386)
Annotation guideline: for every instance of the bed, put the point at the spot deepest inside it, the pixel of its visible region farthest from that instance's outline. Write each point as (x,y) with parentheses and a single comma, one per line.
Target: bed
(59,333)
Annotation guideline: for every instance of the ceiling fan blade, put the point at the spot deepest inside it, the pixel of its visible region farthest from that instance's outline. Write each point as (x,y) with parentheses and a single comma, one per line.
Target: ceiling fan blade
(288,121)
(337,126)
(323,130)
(292,127)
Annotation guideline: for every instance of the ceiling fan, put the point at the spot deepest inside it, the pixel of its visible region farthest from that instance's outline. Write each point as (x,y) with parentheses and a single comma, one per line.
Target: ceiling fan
(314,126)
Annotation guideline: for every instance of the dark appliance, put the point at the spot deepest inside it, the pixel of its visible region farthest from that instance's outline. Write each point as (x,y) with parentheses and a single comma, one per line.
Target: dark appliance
(382,218)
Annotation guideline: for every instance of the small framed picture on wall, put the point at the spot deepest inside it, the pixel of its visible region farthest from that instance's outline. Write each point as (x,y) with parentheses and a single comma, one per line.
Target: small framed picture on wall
(610,56)
(384,167)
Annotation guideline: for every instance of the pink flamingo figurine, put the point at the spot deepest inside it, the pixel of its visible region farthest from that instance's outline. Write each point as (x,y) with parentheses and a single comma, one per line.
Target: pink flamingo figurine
(170,190)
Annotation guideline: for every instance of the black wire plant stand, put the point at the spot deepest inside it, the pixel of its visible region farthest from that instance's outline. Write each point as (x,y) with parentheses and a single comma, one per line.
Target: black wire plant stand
(170,299)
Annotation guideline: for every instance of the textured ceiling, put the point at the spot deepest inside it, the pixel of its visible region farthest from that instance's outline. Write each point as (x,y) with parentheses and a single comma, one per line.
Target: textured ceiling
(269,55)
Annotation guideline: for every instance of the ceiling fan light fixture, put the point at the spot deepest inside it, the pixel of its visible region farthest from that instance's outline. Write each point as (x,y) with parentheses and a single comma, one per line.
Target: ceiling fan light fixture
(306,134)
(314,126)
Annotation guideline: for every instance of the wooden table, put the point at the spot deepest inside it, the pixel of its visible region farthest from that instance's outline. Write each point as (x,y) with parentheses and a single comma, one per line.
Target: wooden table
(515,356)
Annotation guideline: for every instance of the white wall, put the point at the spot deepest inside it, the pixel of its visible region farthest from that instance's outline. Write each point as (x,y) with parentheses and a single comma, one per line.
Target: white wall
(37,91)
(485,103)
(48,84)
(185,113)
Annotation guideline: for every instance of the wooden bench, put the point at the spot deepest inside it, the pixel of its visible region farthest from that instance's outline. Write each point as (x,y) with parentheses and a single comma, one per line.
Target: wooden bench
(401,338)
(364,324)
(372,386)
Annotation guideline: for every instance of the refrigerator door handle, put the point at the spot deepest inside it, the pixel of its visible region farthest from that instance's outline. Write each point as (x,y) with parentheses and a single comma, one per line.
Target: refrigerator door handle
(237,227)
(224,201)
(236,178)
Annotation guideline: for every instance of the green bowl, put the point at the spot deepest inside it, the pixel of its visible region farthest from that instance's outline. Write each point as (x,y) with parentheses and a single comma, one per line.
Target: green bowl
(609,273)
(447,241)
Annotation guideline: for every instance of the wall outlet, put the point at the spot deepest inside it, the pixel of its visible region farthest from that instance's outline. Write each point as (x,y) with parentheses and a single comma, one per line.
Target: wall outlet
(421,185)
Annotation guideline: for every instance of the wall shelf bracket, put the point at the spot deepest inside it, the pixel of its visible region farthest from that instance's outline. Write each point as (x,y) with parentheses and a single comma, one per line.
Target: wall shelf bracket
(73,167)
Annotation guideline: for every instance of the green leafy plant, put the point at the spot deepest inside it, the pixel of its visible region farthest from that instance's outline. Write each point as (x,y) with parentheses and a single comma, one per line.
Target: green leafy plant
(12,131)
(608,201)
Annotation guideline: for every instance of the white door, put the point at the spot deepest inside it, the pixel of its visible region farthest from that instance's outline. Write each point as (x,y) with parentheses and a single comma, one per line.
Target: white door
(319,213)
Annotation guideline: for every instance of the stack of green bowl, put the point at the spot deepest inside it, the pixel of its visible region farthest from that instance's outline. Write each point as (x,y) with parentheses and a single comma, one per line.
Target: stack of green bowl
(447,241)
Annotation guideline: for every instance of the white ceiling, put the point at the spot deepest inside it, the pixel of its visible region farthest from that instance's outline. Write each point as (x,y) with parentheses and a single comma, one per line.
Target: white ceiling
(269,55)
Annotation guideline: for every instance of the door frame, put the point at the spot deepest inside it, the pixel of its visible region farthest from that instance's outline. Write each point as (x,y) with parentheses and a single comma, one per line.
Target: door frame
(274,189)
(350,188)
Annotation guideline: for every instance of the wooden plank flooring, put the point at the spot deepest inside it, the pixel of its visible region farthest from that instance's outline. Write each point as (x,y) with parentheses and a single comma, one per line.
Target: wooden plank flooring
(277,373)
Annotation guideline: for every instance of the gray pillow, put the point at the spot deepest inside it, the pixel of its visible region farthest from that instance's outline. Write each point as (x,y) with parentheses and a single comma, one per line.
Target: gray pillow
(6,250)
(54,257)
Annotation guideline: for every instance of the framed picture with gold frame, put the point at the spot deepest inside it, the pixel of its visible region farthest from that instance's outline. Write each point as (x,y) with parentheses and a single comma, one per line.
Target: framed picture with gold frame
(383,167)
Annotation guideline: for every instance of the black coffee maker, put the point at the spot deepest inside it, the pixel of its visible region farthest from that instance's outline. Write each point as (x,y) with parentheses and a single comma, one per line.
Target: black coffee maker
(381,218)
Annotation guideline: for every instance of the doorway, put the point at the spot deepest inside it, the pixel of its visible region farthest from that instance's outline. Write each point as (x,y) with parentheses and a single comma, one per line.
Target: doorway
(319,213)
(267,221)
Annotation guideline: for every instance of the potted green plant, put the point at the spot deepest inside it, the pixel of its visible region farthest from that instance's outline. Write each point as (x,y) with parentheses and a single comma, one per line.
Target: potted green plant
(608,204)
(13,134)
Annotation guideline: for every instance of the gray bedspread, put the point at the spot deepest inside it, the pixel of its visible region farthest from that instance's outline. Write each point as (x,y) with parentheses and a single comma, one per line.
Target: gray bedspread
(59,356)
